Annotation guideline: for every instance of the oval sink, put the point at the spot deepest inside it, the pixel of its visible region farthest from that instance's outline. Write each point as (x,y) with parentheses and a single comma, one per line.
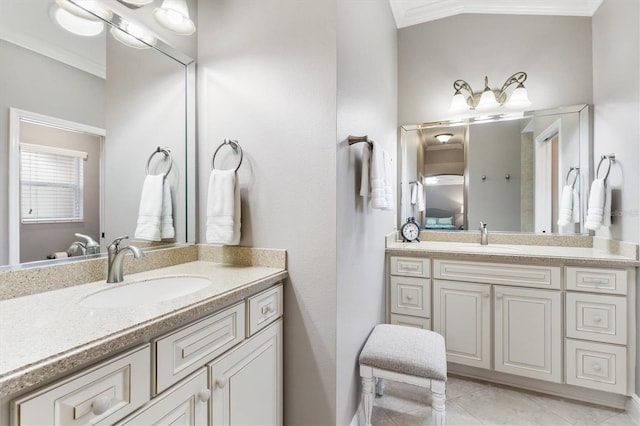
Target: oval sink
(487,249)
(144,292)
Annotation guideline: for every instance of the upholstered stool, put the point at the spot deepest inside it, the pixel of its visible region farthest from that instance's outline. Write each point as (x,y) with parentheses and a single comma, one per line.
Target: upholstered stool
(407,355)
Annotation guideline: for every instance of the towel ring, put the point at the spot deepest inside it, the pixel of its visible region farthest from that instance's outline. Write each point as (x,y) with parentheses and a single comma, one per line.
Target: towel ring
(167,153)
(610,158)
(234,145)
(575,176)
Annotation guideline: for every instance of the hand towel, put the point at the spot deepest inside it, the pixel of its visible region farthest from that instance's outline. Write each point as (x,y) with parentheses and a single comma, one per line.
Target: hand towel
(599,208)
(414,194)
(377,178)
(150,209)
(223,208)
(388,189)
(166,219)
(422,206)
(565,211)
(365,189)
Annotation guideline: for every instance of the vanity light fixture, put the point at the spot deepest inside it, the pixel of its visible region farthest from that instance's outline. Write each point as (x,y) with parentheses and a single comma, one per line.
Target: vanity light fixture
(174,16)
(77,20)
(490,98)
(443,137)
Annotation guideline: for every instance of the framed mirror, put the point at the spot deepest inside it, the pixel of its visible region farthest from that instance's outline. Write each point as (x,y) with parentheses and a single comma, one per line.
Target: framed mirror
(137,99)
(510,171)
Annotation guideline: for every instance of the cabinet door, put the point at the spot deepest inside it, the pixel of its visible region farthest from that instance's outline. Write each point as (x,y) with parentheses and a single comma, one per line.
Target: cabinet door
(246,382)
(528,338)
(184,404)
(462,314)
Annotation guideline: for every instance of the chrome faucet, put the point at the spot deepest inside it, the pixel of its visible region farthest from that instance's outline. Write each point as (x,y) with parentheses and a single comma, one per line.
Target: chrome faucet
(484,234)
(90,245)
(116,257)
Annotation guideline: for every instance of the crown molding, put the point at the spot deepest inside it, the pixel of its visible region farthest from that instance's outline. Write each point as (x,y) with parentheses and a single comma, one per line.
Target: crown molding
(412,12)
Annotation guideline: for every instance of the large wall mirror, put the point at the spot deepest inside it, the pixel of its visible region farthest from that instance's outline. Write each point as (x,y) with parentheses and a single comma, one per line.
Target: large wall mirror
(123,105)
(510,171)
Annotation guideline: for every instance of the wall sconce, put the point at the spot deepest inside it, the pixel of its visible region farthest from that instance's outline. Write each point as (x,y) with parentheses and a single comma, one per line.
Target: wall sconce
(444,137)
(490,98)
(174,16)
(133,35)
(77,20)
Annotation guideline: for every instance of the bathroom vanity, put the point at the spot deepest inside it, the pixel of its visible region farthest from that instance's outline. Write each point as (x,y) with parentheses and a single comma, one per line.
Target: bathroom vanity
(554,315)
(210,356)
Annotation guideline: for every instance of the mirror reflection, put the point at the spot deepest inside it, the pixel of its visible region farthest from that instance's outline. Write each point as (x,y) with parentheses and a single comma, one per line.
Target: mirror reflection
(124,102)
(526,173)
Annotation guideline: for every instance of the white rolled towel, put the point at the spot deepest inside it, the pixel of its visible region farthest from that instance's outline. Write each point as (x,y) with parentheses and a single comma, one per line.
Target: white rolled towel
(223,208)
(565,211)
(150,209)
(599,207)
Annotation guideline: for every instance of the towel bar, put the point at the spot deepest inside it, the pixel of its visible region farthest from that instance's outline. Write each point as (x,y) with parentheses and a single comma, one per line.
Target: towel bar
(575,177)
(234,145)
(610,158)
(357,139)
(167,154)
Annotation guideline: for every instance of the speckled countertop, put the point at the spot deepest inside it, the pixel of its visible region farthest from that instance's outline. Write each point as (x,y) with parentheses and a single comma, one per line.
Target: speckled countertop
(45,335)
(580,251)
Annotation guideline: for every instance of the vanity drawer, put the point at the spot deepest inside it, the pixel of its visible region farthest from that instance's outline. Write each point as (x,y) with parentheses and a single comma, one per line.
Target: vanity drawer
(597,317)
(263,309)
(100,395)
(411,296)
(409,321)
(597,280)
(498,273)
(183,351)
(410,266)
(597,366)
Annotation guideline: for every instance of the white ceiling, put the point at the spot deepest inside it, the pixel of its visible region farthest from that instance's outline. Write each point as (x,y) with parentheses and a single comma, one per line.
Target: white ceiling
(412,12)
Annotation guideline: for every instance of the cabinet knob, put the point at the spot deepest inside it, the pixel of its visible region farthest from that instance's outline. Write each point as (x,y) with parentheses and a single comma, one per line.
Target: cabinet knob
(499,296)
(204,395)
(409,297)
(485,295)
(265,309)
(596,367)
(597,318)
(221,382)
(101,405)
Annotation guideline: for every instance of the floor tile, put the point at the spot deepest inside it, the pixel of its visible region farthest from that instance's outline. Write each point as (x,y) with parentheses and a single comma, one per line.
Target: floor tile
(575,412)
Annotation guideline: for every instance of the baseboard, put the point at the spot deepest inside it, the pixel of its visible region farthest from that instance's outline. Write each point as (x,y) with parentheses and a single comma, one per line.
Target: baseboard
(358,417)
(633,407)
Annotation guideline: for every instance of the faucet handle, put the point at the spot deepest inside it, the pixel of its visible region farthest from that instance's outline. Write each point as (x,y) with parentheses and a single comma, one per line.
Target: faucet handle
(116,242)
(483,225)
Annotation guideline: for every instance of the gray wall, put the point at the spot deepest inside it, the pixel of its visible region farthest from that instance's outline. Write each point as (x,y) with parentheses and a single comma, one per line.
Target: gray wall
(616,96)
(267,77)
(555,52)
(367,99)
(35,83)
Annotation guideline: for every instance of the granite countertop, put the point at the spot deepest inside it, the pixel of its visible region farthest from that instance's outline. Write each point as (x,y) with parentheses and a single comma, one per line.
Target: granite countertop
(46,335)
(513,253)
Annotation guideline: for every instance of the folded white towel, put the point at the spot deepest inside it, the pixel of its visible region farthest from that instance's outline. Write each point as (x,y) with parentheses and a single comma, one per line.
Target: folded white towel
(365,189)
(223,208)
(166,221)
(150,209)
(599,208)
(569,210)
(377,178)
(421,201)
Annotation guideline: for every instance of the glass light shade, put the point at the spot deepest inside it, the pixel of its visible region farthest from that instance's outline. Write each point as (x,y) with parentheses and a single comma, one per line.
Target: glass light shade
(93,6)
(458,103)
(519,98)
(75,24)
(487,100)
(138,3)
(444,137)
(133,36)
(174,16)
(431,180)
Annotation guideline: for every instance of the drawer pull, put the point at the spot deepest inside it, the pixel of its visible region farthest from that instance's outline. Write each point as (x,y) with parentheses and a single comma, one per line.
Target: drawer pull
(204,395)
(221,383)
(409,297)
(596,367)
(266,309)
(595,280)
(101,405)
(597,318)
(409,267)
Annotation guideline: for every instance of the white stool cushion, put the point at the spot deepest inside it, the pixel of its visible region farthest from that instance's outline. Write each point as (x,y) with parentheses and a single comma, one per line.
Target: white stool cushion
(406,350)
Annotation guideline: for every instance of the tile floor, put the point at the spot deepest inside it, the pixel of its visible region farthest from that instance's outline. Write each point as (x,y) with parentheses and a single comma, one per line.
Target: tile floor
(475,403)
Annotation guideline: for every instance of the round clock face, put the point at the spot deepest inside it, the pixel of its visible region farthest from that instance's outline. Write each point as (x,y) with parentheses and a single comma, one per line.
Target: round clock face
(410,231)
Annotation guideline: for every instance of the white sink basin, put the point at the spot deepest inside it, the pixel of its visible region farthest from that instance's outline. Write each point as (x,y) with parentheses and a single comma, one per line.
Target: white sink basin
(487,249)
(144,292)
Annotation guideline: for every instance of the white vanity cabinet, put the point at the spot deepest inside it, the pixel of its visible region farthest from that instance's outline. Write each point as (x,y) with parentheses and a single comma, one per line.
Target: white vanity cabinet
(524,316)
(225,368)
(410,292)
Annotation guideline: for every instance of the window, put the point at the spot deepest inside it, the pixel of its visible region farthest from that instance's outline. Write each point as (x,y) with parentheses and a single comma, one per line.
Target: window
(51,181)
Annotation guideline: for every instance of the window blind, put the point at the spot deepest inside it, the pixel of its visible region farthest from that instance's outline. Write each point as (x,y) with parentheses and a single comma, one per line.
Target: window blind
(51,184)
